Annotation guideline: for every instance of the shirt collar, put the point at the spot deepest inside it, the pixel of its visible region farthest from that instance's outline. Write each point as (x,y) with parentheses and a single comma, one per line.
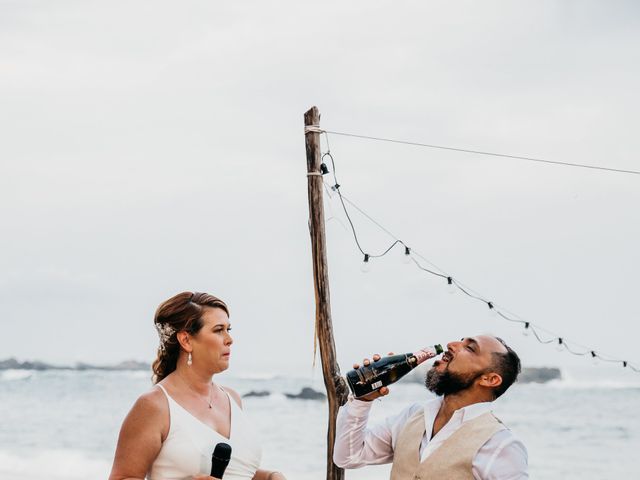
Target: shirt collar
(474,410)
(461,415)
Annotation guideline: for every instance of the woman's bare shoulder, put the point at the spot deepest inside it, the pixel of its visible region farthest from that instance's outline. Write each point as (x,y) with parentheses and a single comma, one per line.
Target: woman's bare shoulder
(141,435)
(153,402)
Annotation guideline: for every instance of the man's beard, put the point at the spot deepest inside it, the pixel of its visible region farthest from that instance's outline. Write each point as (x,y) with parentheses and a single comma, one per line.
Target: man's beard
(446,383)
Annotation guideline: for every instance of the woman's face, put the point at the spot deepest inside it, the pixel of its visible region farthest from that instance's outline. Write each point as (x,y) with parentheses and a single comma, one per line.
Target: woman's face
(212,344)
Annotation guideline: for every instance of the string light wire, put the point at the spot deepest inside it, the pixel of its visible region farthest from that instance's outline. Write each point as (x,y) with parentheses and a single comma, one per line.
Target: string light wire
(481,152)
(439,272)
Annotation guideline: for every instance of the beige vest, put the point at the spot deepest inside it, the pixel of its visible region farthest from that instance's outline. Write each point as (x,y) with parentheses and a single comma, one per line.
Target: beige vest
(452,460)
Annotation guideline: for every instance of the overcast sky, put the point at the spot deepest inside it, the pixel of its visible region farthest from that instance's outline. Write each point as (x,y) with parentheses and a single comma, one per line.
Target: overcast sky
(148,148)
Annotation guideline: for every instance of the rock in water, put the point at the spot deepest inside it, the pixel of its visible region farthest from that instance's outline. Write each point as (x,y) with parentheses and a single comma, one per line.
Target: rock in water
(259,393)
(539,375)
(307,394)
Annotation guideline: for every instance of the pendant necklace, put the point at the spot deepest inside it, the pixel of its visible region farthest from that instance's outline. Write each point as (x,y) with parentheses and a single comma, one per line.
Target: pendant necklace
(210,401)
(211,396)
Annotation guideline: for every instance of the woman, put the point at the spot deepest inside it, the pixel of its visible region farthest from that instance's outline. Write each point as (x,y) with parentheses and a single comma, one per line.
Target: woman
(171,431)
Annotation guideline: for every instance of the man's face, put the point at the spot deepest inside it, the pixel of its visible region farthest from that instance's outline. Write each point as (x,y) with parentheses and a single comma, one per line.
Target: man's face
(462,364)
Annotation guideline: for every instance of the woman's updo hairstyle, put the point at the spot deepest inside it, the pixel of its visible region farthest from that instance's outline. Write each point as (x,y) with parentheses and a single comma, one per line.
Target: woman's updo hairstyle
(182,312)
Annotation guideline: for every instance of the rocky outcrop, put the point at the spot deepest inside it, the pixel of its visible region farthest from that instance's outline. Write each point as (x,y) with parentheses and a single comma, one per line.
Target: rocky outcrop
(126,365)
(307,394)
(257,393)
(539,375)
(13,364)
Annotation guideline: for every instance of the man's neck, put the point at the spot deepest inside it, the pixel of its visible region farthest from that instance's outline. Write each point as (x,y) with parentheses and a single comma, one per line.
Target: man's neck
(453,402)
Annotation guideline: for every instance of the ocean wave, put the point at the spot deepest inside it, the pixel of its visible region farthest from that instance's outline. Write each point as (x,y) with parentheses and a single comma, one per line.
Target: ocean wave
(54,464)
(16,374)
(273,397)
(254,376)
(135,373)
(594,385)
(584,384)
(278,397)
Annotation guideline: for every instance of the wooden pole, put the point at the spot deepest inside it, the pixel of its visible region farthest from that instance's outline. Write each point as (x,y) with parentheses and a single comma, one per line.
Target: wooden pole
(333,381)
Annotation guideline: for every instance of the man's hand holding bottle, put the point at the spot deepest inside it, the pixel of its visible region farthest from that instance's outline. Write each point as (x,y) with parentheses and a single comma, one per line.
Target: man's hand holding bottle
(381,392)
(369,381)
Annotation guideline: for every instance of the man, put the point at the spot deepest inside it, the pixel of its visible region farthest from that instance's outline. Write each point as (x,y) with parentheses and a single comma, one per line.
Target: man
(454,436)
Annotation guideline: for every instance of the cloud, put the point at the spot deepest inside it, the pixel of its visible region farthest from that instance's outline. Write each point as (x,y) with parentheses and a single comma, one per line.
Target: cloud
(149,149)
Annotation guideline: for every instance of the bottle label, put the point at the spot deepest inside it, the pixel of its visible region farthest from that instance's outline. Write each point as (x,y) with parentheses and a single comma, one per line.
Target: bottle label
(424,354)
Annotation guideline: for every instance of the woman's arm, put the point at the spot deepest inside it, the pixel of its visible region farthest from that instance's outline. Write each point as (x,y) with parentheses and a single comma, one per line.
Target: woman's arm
(141,437)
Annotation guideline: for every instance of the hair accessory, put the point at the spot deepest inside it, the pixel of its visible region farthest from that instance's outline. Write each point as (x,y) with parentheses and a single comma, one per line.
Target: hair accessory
(165,331)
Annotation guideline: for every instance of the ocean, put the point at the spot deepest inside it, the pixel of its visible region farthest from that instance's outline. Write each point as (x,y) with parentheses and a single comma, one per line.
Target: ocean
(64,424)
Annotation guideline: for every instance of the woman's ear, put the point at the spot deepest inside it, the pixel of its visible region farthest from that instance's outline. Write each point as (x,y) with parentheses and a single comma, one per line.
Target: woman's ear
(184,339)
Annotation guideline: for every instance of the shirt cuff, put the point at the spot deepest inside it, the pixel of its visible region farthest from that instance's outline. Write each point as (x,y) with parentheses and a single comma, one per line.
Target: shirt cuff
(358,408)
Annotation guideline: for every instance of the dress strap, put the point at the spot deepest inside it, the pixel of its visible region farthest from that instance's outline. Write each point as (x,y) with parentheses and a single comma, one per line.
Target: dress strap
(163,390)
(231,399)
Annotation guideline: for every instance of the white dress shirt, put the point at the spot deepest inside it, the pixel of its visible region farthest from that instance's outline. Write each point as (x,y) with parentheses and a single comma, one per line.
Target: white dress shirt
(502,457)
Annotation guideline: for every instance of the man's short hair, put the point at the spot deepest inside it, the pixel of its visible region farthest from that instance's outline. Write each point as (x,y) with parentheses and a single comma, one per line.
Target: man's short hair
(507,365)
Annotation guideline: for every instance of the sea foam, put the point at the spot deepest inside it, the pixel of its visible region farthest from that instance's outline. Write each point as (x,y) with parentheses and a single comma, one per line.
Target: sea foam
(16,374)
(53,464)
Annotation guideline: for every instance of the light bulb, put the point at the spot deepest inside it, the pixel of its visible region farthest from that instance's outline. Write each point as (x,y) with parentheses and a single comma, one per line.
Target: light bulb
(594,358)
(525,332)
(407,255)
(492,310)
(560,346)
(366,264)
(451,287)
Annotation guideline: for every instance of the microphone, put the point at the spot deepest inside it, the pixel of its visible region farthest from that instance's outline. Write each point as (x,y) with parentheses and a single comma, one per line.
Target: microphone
(220,459)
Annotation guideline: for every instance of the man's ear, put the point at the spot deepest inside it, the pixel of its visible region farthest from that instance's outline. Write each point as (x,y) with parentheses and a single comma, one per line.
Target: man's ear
(490,379)
(184,339)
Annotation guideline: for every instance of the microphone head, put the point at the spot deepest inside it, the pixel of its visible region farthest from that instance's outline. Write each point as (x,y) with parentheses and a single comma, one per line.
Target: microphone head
(222,451)
(220,459)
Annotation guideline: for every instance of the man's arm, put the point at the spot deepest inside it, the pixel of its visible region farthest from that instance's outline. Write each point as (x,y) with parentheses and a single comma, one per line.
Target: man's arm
(503,457)
(356,445)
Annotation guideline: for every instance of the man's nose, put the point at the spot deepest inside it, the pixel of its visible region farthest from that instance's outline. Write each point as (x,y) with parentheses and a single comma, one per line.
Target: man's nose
(453,346)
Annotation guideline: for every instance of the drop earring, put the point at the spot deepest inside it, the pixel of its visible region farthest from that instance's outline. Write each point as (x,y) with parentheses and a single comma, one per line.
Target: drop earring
(189,360)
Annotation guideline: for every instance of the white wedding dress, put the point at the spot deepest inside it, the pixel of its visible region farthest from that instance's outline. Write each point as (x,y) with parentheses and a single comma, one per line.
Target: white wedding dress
(188,447)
